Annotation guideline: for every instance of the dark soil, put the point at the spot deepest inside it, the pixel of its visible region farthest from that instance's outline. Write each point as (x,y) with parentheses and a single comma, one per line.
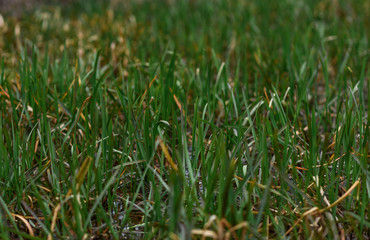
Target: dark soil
(17,7)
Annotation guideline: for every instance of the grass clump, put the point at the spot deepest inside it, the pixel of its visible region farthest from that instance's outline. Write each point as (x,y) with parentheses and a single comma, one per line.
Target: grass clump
(156,119)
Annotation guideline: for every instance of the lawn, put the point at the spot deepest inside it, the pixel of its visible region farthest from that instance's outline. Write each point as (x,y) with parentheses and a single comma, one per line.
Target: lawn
(187,119)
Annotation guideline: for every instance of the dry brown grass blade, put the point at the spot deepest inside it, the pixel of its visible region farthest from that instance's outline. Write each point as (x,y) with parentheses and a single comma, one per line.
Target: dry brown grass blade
(267,97)
(3,92)
(37,103)
(243,225)
(120,176)
(255,183)
(81,174)
(357,153)
(298,168)
(179,105)
(146,90)
(54,221)
(342,197)
(309,212)
(167,155)
(224,230)
(317,210)
(80,111)
(204,233)
(331,146)
(208,224)
(69,88)
(331,161)
(224,222)
(44,188)
(32,217)
(26,223)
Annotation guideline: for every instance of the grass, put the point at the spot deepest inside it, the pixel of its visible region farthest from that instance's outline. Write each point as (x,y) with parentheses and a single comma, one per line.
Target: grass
(187,119)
